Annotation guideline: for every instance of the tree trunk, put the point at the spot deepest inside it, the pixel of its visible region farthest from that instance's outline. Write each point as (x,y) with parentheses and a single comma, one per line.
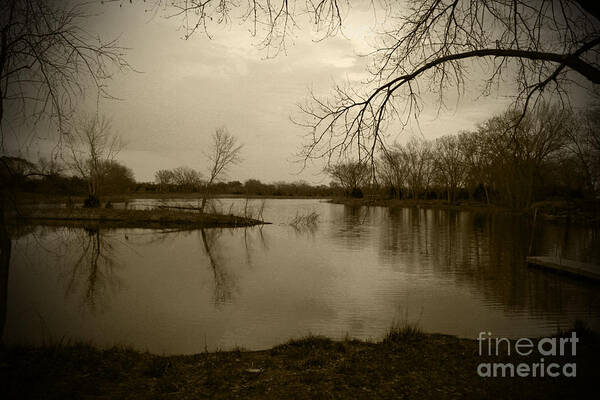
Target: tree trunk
(205,196)
(5,251)
(204,200)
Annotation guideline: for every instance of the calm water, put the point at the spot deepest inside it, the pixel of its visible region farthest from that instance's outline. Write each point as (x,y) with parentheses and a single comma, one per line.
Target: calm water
(356,273)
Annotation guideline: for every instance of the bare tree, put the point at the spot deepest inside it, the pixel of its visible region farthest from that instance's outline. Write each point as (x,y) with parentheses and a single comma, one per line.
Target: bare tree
(450,164)
(544,46)
(584,142)
(351,175)
(48,59)
(518,155)
(187,178)
(478,153)
(164,178)
(92,147)
(50,167)
(224,153)
(393,170)
(273,22)
(418,159)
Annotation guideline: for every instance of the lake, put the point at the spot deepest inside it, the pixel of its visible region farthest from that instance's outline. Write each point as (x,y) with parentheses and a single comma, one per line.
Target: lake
(356,273)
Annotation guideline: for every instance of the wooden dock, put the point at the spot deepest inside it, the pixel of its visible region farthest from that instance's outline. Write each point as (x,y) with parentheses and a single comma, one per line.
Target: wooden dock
(574,268)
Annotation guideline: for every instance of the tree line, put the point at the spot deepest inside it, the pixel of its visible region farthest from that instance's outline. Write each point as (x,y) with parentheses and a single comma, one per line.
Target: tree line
(53,178)
(512,159)
(188,180)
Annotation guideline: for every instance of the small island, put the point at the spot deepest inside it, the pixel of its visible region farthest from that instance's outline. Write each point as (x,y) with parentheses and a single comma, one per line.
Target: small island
(125,218)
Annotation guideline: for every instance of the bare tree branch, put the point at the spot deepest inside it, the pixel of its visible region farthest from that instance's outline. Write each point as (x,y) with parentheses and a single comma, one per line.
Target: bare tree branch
(545,45)
(48,60)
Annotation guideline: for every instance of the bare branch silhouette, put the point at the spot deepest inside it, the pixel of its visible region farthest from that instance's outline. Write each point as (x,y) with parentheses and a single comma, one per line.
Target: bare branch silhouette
(48,60)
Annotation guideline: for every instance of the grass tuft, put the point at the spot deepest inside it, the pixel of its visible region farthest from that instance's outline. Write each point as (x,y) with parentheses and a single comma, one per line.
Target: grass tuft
(405,332)
(305,220)
(309,341)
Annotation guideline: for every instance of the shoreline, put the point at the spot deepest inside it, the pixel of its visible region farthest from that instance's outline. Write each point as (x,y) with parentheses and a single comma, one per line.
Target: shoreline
(118,218)
(582,212)
(405,364)
(33,198)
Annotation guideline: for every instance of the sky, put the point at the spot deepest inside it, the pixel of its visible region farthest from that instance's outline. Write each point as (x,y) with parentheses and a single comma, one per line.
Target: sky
(185,89)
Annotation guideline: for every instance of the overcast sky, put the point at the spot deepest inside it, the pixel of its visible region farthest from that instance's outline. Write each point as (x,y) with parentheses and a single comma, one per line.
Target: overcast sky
(188,88)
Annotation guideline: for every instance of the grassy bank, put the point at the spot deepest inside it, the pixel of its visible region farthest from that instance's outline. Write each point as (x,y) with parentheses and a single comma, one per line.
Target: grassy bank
(406,364)
(115,218)
(579,211)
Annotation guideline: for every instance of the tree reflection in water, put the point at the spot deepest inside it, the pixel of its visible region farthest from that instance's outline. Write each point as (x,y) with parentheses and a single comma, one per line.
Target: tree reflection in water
(92,272)
(5,250)
(219,264)
(223,282)
(486,253)
(7,235)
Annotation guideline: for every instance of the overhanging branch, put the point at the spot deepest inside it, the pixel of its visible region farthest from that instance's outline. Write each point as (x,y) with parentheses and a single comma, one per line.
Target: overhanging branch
(572,61)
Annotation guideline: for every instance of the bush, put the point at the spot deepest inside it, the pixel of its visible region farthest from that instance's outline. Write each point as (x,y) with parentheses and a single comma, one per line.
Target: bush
(91,202)
(356,193)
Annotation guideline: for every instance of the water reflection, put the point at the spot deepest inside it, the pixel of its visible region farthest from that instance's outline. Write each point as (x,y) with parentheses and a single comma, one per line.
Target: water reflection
(90,266)
(92,271)
(223,282)
(5,252)
(352,225)
(486,254)
(251,236)
(354,272)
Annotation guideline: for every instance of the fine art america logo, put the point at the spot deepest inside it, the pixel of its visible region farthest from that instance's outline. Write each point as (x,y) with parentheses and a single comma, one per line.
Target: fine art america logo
(545,347)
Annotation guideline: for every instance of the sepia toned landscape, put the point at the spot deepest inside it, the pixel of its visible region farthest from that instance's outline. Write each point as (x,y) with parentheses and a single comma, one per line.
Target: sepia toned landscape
(299,199)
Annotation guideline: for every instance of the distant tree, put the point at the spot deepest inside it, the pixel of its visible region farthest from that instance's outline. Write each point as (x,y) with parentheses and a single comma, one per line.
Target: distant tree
(51,167)
(519,154)
(478,156)
(235,187)
(584,143)
(352,176)
(163,178)
(254,186)
(418,160)
(187,179)
(392,169)
(450,164)
(14,172)
(16,167)
(92,147)
(117,178)
(224,153)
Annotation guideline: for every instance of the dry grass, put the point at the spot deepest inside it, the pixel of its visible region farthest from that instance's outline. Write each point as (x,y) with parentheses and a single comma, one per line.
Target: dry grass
(406,364)
(305,220)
